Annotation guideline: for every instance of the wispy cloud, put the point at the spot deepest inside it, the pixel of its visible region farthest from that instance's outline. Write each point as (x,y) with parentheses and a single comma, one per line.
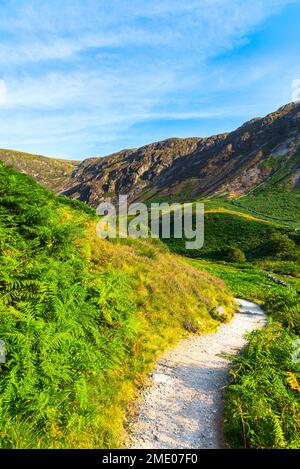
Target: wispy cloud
(90,71)
(60,30)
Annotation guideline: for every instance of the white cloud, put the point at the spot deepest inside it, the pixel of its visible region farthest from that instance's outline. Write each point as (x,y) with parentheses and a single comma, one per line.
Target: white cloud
(114,92)
(88,71)
(60,30)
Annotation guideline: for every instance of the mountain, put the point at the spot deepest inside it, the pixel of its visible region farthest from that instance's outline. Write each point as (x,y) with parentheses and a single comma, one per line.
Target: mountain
(227,164)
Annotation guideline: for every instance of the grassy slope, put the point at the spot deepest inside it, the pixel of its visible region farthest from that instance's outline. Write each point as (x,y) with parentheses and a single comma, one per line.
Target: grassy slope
(83,319)
(224,228)
(280,205)
(276,199)
(51,172)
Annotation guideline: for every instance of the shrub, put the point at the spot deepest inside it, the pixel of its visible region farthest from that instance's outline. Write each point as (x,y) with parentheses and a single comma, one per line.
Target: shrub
(280,246)
(234,254)
(285,308)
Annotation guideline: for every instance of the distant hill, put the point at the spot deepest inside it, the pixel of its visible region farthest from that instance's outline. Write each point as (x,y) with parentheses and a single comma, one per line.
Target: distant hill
(51,172)
(231,164)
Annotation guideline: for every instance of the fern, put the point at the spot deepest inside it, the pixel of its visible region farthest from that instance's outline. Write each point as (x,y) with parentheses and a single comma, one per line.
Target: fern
(292,381)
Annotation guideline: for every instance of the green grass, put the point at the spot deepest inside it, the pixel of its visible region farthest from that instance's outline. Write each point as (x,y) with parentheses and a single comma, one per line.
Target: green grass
(263,401)
(287,268)
(244,281)
(275,198)
(280,205)
(83,319)
(230,229)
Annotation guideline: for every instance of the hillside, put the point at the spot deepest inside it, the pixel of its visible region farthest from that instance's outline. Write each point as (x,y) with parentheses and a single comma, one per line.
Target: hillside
(83,319)
(51,172)
(234,164)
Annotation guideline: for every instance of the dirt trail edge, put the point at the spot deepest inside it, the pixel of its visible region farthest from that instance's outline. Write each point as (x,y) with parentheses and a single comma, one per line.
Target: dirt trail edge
(183,408)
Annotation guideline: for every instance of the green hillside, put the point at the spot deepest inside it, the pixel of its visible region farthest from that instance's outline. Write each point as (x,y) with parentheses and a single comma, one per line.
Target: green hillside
(278,198)
(53,173)
(257,238)
(83,319)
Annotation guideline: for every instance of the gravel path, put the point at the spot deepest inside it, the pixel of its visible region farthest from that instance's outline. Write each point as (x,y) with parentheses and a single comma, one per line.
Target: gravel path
(183,407)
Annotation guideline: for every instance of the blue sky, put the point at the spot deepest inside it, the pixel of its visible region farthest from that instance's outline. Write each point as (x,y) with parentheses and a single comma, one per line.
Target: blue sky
(81,78)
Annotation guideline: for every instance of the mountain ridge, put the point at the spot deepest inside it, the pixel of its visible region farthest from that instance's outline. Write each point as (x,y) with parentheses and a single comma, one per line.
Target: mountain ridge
(231,164)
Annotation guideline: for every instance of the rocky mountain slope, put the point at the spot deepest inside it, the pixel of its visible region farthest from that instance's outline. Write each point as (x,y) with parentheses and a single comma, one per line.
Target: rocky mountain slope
(230,163)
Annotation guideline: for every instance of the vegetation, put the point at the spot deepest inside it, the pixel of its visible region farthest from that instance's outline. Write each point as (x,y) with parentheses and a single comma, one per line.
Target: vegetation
(275,199)
(280,246)
(234,254)
(263,402)
(257,239)
(51,172)
(281,205)
(244,280)
(83,319)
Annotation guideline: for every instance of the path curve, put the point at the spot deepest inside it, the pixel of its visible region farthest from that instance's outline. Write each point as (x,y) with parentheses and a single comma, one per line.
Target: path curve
(183,407)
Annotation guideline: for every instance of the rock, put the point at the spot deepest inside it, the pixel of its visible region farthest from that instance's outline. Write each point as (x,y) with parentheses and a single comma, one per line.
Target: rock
(218,313)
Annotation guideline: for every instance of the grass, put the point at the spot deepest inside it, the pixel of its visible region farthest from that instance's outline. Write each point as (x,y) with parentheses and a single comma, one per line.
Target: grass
(51,172)
(275,199)
(223,229)
(83,319)
(243,280)
(281,205)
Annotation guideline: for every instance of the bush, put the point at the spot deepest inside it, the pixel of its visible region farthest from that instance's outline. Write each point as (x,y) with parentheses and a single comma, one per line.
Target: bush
(280,246)
(285,308)
(234,254)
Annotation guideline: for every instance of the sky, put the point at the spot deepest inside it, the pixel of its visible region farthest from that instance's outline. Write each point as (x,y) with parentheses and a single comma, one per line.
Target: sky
(81,78)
